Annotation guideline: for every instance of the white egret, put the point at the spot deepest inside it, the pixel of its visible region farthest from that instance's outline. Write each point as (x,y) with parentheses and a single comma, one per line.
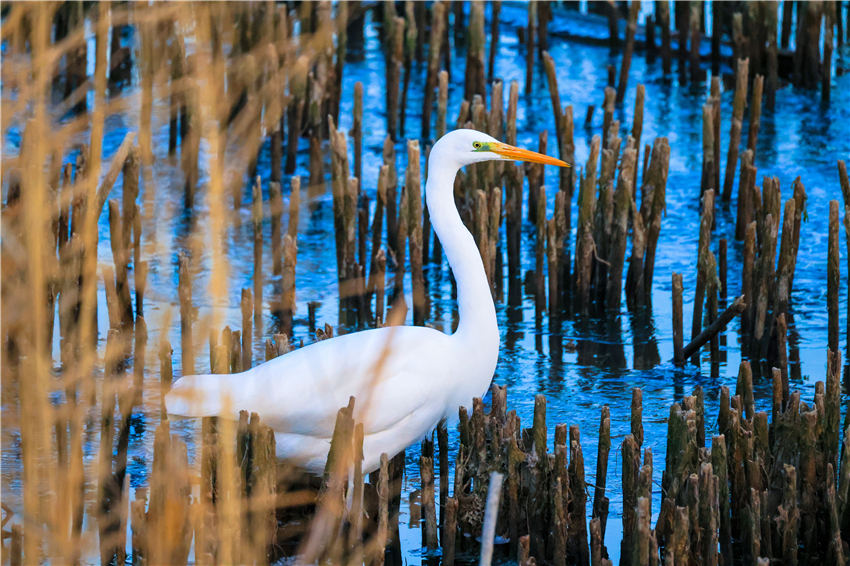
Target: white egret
(405,379)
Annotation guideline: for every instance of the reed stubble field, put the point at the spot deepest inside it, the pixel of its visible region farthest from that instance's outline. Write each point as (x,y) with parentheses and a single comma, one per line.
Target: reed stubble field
(212,95)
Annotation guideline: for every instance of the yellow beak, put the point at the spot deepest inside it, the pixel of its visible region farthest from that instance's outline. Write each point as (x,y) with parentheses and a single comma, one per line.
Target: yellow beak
(519,154)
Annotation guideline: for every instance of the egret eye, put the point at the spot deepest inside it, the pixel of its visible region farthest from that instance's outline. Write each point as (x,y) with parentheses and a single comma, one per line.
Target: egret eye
(476,145)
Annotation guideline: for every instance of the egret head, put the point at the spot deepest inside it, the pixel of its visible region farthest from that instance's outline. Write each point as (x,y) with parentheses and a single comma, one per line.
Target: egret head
(471,146)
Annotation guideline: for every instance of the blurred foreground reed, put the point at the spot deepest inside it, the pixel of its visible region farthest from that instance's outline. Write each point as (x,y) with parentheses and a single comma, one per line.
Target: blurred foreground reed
(239,78)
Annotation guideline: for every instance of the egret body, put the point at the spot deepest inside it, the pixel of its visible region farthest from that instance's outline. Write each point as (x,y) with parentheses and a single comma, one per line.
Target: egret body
(405,379)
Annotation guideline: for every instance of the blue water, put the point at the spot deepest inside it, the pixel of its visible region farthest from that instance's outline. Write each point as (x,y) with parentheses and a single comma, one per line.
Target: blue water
(801,137)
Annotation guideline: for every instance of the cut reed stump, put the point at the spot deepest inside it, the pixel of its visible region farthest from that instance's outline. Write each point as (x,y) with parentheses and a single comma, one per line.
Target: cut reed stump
(741,497)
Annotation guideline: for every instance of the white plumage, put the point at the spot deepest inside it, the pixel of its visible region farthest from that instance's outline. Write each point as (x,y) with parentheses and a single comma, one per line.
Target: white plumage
(405,379)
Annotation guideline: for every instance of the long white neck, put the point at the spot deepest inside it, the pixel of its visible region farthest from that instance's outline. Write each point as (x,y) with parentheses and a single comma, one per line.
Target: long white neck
(477,326)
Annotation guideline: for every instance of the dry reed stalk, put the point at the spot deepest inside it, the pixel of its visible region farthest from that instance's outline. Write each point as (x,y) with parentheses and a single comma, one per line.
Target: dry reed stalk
(276,214)
(735,133)
(631,465)
(826,64)
(755,114)
(177,107)
(678,337)
(377,230)
(787,257)
(747,281)
(708,165)
(694,16)
(491,512)
(257,224)
(650,44)
(663,16)
(295,115)
(552,266)
(294,207)
(493,253)
(613,27)
(631,28)
(339,176)
(584,237)
(287,311)
(552,79)
(653,203)
(539,249)
(578,511)
(350,276)
(833,278)
(622,207)
(120,258)
(414,225)
(184,289)
(410,39)
(600,501)
(437,21)
(394,56)
(746,191)
(807,67)
(530,33)
(608,116)
(442,102)
(637,131)
(714,100)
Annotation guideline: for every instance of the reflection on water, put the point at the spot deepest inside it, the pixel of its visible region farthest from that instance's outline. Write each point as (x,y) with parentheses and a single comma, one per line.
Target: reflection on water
(580,364)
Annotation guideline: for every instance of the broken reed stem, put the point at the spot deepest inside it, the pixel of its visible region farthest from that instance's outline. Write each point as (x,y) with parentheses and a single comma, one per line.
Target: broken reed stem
(714,328)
